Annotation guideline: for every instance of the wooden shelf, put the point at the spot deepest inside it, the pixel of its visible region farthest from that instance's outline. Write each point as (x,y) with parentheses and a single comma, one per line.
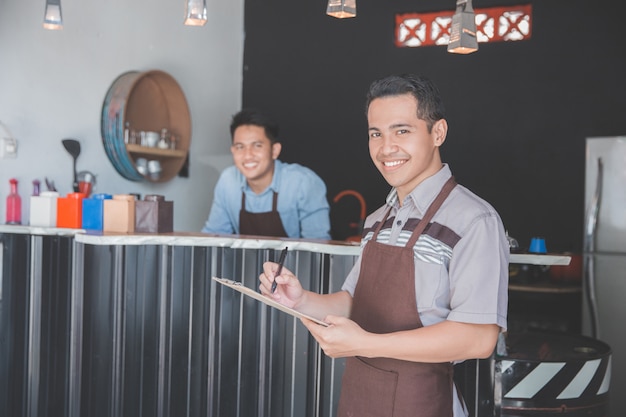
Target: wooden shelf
(546,287)
(155,152)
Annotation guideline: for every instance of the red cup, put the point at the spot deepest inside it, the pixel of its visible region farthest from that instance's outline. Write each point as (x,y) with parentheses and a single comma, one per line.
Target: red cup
(85,188)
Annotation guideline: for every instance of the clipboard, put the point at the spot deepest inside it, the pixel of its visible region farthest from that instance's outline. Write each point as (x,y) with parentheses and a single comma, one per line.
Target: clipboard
(238,286)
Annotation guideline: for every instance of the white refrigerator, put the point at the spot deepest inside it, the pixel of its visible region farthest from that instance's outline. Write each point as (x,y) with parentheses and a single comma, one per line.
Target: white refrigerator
(604,245)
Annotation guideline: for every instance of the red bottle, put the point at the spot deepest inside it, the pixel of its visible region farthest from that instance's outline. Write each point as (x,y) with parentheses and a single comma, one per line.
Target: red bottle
(14,204)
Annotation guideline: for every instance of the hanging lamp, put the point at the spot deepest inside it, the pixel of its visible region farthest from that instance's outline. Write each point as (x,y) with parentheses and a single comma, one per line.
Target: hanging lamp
(463,29)
(196,13)
(53,19)
(341,9)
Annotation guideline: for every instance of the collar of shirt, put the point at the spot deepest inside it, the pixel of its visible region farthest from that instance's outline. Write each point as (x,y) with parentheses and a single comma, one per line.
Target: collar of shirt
(425,192)
(274,186)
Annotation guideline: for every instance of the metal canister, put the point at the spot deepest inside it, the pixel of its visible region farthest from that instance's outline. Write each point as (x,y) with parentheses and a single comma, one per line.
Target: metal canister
(552,373)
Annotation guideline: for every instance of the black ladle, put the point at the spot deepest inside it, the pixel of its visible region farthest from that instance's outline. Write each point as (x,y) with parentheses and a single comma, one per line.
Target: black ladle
(73,147)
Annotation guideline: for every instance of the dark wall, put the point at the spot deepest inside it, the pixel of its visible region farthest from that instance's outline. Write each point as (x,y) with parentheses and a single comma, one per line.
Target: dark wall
(519,112)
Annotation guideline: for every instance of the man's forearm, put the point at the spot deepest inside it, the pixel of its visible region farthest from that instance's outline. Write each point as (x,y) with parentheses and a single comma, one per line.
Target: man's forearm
(443,342)
(322,305)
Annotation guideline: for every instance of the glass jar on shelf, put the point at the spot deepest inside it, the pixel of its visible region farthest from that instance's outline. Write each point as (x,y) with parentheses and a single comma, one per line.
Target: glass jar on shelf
(164,140)
(173,142)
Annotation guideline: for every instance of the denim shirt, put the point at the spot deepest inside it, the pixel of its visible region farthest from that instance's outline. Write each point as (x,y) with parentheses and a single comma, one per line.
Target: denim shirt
(302,203)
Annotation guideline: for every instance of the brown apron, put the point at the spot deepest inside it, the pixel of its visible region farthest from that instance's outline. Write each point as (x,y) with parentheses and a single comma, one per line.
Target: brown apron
(384,302)
(261,224)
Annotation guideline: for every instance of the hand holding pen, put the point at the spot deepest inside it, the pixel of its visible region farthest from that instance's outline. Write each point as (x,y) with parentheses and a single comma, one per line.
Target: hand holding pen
(281,262)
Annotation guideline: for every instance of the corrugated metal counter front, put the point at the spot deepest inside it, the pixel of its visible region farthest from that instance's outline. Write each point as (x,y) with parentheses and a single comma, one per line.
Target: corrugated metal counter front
(153,335)
(35,307)
(133,325)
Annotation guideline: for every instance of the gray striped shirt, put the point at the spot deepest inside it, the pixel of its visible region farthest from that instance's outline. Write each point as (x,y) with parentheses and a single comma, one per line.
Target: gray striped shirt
(461,259)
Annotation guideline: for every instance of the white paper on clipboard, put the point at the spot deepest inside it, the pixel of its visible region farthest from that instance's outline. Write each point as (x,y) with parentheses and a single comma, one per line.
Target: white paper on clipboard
(265,300)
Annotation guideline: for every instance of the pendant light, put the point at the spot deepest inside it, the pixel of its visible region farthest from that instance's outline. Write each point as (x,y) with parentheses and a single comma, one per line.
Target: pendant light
(463,29)
(196,13)
(53,19)
(341,9)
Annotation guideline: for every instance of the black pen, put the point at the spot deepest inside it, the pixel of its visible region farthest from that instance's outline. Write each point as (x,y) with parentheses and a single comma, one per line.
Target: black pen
(281,261)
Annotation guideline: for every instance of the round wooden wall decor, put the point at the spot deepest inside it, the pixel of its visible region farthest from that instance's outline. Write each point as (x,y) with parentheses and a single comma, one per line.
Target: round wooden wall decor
(146,126)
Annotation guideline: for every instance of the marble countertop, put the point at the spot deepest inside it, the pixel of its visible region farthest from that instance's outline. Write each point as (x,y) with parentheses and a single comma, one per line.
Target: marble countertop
(332,247)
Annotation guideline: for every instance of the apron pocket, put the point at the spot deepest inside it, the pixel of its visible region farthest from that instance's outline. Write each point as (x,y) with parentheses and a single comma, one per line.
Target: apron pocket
(367,391)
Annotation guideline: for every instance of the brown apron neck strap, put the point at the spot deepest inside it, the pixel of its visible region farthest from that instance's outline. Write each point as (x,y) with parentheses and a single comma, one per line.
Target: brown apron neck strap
(432,209)
(274,201)
(380,225)
(430,212)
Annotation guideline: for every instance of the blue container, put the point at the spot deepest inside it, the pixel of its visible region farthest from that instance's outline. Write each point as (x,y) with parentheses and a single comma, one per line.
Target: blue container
(93,211)
(537,245)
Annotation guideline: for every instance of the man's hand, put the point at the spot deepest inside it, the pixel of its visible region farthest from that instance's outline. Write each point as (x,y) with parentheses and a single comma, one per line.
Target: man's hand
(289,291)
(342,338)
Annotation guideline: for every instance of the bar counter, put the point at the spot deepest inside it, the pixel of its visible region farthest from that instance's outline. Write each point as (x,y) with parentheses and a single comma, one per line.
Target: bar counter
(116,325)
(132,325)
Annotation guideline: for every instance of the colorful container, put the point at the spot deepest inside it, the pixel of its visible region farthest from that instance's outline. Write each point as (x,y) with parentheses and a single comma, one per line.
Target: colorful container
(93,211)
(154,215)
(43,209)
(119,214)
(70,211)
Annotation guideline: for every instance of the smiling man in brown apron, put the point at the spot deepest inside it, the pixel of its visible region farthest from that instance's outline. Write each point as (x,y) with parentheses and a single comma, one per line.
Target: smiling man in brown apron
(430,286)
(259,194)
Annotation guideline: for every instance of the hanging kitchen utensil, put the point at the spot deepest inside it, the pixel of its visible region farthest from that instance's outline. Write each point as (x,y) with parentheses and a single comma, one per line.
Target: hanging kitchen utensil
(73,147)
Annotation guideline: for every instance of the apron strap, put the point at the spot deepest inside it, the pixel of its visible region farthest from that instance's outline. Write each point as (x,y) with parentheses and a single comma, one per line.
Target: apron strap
(274,201)
(380,225)
(430,212)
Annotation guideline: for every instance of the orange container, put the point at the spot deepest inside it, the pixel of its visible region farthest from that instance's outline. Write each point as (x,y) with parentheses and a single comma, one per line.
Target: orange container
(119,214)
(70,211)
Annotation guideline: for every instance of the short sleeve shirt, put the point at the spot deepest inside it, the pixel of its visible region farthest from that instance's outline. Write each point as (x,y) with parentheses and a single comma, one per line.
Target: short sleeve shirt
(461,259)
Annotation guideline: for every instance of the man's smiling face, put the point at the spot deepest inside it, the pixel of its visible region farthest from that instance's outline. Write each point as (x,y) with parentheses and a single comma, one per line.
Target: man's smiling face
(400,145)
(254,155)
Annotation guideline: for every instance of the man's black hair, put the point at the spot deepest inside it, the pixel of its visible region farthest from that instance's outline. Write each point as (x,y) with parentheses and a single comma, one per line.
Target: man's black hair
(430,107)
(255,118)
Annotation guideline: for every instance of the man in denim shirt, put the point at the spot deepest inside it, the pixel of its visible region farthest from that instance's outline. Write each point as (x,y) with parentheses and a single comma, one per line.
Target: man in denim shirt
(259,194)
